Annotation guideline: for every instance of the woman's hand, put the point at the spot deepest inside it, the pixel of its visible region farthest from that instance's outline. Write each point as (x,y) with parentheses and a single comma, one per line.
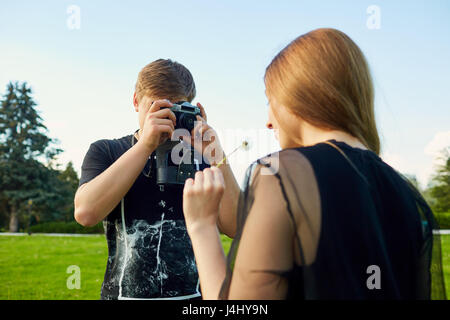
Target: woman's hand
(201,199)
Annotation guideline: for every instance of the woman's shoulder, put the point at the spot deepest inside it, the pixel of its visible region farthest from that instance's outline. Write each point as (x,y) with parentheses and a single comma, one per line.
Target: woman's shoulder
(286,163)
(296,156)
(333,157)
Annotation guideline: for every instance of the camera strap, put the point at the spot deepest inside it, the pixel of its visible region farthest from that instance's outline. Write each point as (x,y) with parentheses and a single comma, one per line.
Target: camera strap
(149,172)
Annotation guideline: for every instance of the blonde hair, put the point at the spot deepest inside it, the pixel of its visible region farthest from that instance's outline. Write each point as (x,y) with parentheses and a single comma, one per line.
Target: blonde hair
(165,79)
(324,78)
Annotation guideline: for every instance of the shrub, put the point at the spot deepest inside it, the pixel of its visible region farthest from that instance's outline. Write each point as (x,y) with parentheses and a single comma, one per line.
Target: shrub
(443,219)
(65,227)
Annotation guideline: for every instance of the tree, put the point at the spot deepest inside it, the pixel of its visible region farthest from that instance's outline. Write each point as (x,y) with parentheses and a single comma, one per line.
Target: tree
(23,140)
(413,180)
(70,176)
(440,190)
(70,181)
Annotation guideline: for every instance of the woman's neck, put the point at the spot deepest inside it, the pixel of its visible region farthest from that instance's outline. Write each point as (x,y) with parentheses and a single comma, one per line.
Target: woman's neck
(312,135)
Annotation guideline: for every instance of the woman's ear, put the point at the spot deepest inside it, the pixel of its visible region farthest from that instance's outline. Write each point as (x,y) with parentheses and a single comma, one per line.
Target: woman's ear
(135,102)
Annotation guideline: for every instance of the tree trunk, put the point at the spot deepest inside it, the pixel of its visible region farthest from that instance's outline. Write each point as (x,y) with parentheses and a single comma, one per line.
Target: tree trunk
(14,220)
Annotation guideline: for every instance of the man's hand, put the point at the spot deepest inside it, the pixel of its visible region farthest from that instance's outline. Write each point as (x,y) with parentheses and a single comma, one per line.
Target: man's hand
(159,124)
(205,140)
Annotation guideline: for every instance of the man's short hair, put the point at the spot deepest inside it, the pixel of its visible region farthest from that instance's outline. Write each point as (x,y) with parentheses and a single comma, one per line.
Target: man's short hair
(165,79)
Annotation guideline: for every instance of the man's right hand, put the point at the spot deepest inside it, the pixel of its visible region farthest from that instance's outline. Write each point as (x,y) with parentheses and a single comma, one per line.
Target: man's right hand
(95,199)
(159,123)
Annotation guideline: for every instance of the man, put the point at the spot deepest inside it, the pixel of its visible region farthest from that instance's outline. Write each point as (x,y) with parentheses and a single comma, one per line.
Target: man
(149,252)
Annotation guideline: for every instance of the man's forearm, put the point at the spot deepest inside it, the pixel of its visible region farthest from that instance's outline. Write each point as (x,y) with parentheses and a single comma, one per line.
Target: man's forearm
(97,198)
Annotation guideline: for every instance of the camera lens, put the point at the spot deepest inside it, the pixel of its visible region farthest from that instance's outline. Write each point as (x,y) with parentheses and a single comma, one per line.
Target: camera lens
(187,121)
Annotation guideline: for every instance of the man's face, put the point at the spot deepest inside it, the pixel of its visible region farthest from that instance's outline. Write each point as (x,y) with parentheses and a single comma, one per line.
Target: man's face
(142,108)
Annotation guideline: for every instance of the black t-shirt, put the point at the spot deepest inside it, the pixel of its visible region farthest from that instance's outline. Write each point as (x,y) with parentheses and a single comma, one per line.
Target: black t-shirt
(149,251)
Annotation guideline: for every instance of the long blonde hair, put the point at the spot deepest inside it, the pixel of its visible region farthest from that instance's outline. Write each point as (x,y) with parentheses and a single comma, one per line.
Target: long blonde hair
(324,78)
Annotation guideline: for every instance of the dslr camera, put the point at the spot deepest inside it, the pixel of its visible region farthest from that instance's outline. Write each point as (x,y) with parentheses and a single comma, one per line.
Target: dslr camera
(169,172)
(186,115)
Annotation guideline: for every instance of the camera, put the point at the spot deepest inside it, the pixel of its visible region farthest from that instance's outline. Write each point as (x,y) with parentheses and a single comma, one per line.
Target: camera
(169,172)
(186,115)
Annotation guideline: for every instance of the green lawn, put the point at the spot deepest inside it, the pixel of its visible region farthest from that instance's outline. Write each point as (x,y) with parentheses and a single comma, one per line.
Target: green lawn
(34,267)
(446,262)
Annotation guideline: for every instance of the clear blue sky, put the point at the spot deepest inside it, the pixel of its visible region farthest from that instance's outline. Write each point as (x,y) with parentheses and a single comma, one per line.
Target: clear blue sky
(83,78)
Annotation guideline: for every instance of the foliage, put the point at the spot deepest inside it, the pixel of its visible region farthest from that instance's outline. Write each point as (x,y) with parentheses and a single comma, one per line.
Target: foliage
(29,189)
(440,190)
(68,178)
(413,180)
(64,227)
(23,134)
(443,220)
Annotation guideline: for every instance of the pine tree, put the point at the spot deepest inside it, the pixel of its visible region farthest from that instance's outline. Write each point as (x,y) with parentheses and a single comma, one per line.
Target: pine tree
(441,188)
(70,181)
(23,139)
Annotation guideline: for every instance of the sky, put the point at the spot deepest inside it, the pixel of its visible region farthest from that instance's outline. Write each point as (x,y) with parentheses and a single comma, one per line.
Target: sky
(81,59)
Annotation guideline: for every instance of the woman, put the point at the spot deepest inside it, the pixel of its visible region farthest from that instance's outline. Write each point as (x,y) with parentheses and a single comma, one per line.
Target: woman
(325,218)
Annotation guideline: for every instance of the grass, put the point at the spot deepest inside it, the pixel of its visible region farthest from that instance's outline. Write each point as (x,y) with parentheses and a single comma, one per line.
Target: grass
(34,268)
(445,241)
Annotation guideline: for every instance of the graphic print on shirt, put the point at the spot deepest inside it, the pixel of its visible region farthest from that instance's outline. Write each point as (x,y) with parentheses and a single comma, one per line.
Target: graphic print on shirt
(153,260)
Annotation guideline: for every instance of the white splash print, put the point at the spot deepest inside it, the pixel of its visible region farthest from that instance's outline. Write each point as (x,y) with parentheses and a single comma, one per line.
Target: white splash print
(126,248)
(162,203)
(158,259)
(132,244)
(154,260)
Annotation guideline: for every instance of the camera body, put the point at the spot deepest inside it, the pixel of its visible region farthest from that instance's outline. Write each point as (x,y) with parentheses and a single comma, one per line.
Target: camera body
(186,115)
(167,171)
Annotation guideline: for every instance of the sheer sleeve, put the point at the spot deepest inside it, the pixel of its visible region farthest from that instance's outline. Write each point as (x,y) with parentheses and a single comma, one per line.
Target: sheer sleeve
(280,201)
(430,278)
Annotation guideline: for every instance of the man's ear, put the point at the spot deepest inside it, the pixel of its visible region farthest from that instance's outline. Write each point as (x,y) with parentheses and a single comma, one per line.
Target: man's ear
(135,102)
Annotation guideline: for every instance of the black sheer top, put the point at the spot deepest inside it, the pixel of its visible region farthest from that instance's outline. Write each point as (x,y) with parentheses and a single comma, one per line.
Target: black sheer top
(359,229)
